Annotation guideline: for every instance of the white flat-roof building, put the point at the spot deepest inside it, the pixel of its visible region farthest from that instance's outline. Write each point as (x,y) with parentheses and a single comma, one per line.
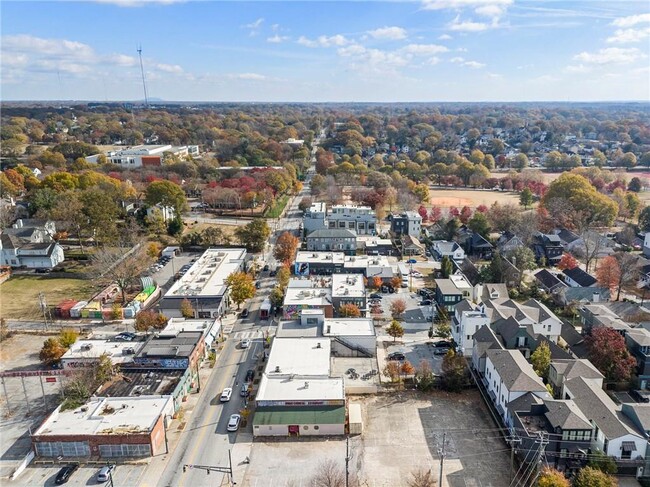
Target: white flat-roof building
(145,155)
(204,284)
(325,263)
(307,294)
(362,220)
(106,428)
(210,328)
(86,353)
(296,395)
(348,289)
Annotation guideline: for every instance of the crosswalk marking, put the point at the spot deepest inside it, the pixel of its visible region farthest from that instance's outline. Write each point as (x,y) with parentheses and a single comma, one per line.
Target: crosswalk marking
(249,334)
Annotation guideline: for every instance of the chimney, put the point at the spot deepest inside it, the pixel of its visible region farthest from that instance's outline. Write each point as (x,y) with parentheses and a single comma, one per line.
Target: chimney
(596,297)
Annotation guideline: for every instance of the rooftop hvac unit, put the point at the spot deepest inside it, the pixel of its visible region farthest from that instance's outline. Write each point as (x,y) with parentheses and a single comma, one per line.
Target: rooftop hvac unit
(87,346)
(306,385)
(218,260)
(347,291)
(277,368)
(318,345)
(221,254)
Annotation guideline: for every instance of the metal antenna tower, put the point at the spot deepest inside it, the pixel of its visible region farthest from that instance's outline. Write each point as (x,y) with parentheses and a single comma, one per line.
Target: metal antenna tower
(144,81)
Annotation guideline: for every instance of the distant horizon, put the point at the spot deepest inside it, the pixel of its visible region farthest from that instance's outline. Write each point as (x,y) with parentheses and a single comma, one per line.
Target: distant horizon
(330,102)
(409,51)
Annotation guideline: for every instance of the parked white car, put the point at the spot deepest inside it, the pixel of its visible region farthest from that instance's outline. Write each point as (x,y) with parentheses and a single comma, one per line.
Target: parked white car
(233,422)
(225,395)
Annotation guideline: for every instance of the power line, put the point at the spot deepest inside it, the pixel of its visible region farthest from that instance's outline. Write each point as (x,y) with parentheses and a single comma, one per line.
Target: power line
(144,83)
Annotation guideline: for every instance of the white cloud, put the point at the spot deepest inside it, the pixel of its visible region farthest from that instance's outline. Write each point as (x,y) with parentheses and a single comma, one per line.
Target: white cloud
(277,39)
(492,11)
(56,48)
(255,25)
(432,61)
(13,59)
(577,68)
(467,64)
(610,55)
(445,37)
(374,60)
(324,41)
(496,76)
(629,36)
(121,60)
(424,49)
(467,26)
(631,20)
(461,4)
(168,68)
(251,76)
(390,33)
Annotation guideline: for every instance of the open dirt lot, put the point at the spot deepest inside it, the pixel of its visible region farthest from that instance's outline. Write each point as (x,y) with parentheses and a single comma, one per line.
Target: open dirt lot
(402,433)
(467,197)
(20,294)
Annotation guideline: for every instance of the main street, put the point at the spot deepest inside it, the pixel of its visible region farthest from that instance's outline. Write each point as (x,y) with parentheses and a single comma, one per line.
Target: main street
(204,440)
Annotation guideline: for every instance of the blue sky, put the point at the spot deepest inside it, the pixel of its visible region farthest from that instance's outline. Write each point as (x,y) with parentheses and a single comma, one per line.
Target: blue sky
(428,50)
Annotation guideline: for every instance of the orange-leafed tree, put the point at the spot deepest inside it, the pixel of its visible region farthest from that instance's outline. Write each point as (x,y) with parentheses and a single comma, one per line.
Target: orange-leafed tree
(349,310)
(397,308)
(376,282)
(568,261)
(286,247)
(608,273)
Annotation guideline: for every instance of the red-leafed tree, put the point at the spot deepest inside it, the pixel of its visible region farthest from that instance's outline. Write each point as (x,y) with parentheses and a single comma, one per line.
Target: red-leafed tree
(482,209)
(435,214)
(567,261)
(453,212)
(376,282)
(608,273)
(607,351)
(423,213)
(465,214)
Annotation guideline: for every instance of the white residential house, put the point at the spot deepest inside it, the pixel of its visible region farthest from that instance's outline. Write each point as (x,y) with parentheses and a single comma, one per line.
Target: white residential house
(166,212)
(532,312)
(466,321)
(509,376)
(646,245)
(615,435)
(452,250)
(29,243)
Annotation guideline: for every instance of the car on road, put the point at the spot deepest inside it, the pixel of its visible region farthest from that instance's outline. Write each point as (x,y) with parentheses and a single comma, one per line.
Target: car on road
(105,473)
(417,274)
(375,296)
(441,350)
(233,422)
(396,356)
(426,302)
(245,343)
(126,336)
(375,302)
(443,344)
(411,261)
(243,392)
(225,395)
(387,289)
(258,285)
(250,375)
(65,473)
(266,268)
(244,313)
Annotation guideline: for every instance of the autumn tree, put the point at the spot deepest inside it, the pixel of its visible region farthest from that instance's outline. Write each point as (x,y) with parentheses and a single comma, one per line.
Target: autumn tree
(603,462)
(609,354)
(591,477)
(187,311)
(407,369)
(166,193)
(286,247)
(541,359)
(121,265)
(550,477)
(422,478)
(283,276)
(395,330)
(241,287)
(276,296)
(148,319)
(349,310)
(67,337)
(424,376)
(254,235)
(628,271)
(392,371)
(465,214)
(397,308)
(567,261)
(608,273)
(479,224)
(52,351)
(454,372)
(396,282)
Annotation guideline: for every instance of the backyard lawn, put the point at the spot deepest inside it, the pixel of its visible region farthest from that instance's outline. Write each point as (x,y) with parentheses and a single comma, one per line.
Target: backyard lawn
(275,210)
(20,294)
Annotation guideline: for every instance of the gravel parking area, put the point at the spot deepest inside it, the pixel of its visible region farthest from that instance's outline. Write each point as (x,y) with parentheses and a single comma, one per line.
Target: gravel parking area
(402,433)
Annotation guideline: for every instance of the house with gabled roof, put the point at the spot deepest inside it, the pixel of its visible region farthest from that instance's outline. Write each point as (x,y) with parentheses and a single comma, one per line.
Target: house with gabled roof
(576,277)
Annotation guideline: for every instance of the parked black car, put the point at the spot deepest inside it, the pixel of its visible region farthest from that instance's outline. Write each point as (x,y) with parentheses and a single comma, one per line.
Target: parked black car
(375,296)
(266,268)
(396,356)
(639,396)
(244,313)
(250,375)
(65,473)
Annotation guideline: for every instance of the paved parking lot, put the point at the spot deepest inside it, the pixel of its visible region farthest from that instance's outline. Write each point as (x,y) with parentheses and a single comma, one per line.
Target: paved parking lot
(415,352)
(414,314)
(402,432)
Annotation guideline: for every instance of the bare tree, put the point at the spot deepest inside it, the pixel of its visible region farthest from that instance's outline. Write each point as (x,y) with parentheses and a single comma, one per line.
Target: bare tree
(121,265)
(591,245)
(334,192)
(329,474)
(407,201)
(422,478)
(629,273)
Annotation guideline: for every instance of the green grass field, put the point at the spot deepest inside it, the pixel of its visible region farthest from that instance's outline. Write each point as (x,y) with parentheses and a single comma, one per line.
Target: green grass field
(278,206)
(19,294)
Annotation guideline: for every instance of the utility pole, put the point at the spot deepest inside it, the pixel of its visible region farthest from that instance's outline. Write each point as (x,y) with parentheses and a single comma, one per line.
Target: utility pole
(43,303)
(144,83)
(347,460)
(441,452)
(512,439)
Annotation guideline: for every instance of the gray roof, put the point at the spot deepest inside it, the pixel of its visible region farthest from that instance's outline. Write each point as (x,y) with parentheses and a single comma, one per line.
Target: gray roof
(446,247)
(181,345)
(566,415)
(508,328)
(639,414)
(501,290)
(581,277)
(331,233)
(598,407)
(571,368)
(584,294)
(515,372)
(548,280)
(640,336)
(447,286)
(525,402)
(464,305)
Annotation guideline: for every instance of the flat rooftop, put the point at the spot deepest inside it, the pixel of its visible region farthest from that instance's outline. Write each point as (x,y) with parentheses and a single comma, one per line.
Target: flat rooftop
(133,383)
(287,387)
(118,352)
(300,356)
(181,324)
(349,327)
(207,275)
(170,343)
(295,329)
(107,415)
(309,291)
(334,258)
(348,286)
